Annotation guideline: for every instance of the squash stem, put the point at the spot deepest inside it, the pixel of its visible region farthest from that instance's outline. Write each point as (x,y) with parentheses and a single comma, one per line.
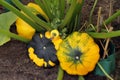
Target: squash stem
(81,78)
(13,35)
(100,66)
(60,74)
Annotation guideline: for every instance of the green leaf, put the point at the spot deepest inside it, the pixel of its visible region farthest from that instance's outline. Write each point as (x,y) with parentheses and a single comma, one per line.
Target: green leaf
(6,20)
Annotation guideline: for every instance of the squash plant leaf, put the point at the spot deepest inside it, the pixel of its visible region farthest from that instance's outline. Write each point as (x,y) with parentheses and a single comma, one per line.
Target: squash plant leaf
(6,20)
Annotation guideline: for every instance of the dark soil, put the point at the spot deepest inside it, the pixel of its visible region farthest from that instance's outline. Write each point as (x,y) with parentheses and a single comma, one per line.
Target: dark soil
(16,65)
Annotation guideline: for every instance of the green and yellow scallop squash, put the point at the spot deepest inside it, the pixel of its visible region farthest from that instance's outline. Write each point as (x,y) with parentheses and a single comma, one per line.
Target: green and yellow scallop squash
(42,51)
(78,54)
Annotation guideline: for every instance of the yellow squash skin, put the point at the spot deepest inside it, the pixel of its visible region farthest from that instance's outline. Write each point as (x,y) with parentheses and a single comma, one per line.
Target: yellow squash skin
(24,29)
(38,61)
(38,8)
(55,37)
(78,54)
(34,58)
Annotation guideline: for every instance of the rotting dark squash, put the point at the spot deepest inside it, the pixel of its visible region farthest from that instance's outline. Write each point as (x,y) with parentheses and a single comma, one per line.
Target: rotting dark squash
(42,51)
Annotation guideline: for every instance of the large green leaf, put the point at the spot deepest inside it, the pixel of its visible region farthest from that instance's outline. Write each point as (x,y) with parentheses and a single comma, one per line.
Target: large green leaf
(6,20)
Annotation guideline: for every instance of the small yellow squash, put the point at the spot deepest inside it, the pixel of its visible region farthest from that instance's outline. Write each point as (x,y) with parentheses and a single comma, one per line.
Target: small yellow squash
(24,29)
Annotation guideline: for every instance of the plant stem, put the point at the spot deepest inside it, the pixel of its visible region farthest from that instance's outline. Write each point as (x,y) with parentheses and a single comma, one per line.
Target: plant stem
(15,36)
(44,8)
(104,71)
(113,17)
(91,12)
(60,74)
(31,15)
(47,6)
(81,78)
(62,8)
(68,15)
(98,20)
(109,34)
(18,13)
(106,44)
(105,35)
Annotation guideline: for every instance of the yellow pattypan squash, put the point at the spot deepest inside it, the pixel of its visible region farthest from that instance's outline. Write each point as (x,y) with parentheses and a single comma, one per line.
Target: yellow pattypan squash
(78,54)
(24,29)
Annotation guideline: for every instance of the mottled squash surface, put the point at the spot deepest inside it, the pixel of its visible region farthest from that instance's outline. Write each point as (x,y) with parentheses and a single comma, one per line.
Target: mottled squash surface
(78,54)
